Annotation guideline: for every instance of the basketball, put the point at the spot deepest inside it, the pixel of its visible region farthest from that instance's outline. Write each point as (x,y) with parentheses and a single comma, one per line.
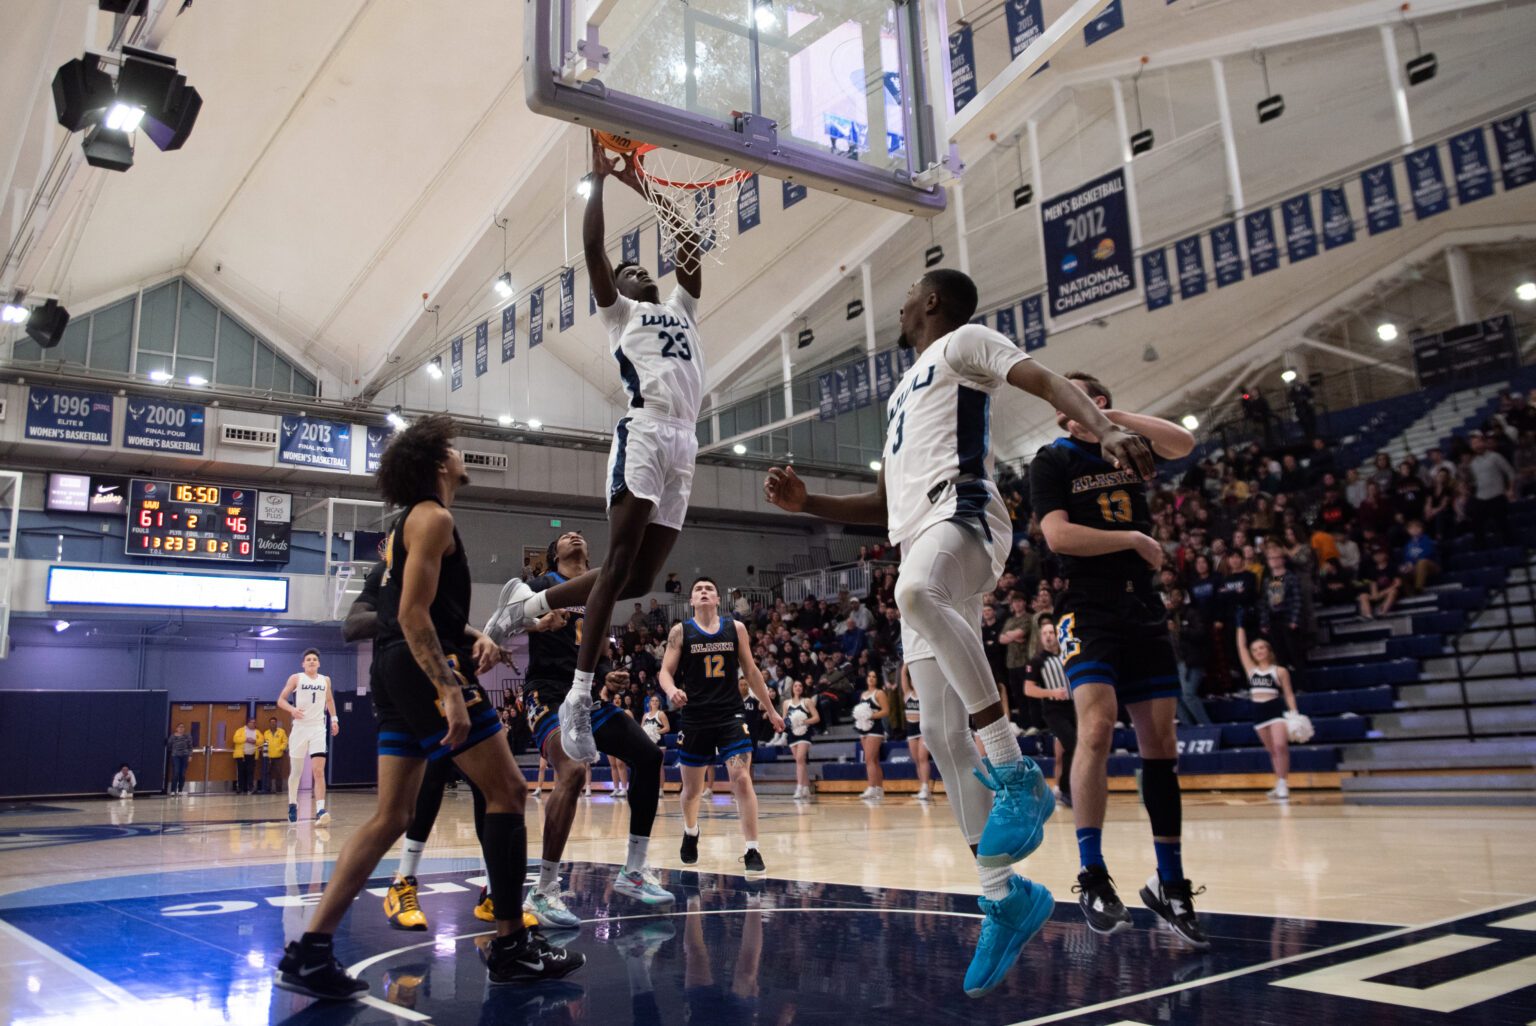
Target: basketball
(617,143)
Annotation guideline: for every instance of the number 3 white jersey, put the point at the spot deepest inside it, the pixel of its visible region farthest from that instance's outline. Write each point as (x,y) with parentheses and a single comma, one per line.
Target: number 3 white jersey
(660,359)
(938,454)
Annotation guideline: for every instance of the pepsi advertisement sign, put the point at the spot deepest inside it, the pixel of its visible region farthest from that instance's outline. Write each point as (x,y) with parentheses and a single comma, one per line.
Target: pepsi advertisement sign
(1088,257)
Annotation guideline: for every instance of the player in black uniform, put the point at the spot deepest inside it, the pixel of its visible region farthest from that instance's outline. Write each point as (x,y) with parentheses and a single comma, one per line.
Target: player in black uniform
(1115,644)
(553,642)
(699,675)
(429,708)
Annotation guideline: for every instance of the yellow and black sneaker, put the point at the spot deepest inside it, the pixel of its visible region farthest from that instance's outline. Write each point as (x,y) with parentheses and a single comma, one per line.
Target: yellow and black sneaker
(403,986)
(401,907)
(485,911)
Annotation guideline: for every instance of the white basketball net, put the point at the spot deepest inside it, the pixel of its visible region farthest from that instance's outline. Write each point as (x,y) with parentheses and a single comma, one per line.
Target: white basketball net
(691,194)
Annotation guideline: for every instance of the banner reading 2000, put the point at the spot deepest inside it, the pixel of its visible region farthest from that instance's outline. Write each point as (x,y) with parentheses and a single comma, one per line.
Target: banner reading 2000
(1088,256)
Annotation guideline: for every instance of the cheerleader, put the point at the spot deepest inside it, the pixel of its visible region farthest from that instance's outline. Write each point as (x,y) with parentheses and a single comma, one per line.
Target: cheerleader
(869,714)
(800,716)
(915,734)
(1269,689)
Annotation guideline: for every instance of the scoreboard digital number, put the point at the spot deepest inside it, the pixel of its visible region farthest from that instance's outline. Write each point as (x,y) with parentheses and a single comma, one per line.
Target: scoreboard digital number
(191,521)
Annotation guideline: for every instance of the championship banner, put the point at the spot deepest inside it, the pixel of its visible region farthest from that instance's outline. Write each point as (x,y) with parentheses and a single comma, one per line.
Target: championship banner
(1111,21)
(1381,210)
(843,388)
(1338,223)
(1033,309)
(164,426)
(858,377)
(536,317)
(905,358)
(1300,229)
(826,402)
(749,213)
(1154,273)
(307,442)
(378,441)
(1263,252)
(1008,324)
(664,262)
(1426,183)
(793,194)
(885,374)
(1088,254)
(508,333)
(1226,255)
(456,363)
(1191,267)
(1517,153)
(80,418)
(482,347)
(1469,163)
(1025,21)
(629,247)
(567,298)
(962,66)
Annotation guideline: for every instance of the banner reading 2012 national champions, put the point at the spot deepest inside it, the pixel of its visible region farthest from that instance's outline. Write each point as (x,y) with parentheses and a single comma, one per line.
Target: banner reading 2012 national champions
(1088,256)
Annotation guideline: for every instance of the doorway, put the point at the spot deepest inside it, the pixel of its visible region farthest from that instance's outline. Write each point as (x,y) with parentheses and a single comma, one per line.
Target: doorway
(212,726)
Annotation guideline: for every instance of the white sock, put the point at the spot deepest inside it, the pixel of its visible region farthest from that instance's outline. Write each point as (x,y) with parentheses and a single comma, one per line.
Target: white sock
(634,861)
(691,831)
(994,881)
(583,682)
(549,878)
(536,606)
(751,846)
(1002,747)
(410,857)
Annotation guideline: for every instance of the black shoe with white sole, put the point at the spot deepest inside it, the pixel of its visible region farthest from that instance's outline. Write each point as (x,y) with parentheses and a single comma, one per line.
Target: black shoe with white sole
(311,969)
(689,852)
(1174,901)
(753,861)
(533,959)
(1101,906)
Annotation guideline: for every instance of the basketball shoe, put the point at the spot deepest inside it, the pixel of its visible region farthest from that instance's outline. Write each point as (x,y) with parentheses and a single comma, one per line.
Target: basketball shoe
(1174,900)
(401,906)
(1022,804)
(1010,923)
(1101,906)
(309,967)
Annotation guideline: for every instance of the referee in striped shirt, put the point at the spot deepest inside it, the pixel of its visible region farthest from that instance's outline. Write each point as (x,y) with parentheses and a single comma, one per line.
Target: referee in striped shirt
(1046,678)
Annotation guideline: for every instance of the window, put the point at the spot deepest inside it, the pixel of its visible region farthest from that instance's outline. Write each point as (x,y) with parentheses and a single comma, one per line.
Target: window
(157,322)
(265,359)
(199,319)
(112,337)
(71,348)
(237,350)
(303,384)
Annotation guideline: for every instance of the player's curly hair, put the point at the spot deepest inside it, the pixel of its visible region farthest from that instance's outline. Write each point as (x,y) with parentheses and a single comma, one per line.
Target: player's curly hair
(408,469)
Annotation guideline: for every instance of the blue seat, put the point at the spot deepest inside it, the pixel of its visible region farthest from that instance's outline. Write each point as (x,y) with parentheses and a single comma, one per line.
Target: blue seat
(1416,646)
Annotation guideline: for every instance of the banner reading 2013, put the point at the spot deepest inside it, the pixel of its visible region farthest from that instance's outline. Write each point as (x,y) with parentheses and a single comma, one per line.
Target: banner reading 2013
(1088,256)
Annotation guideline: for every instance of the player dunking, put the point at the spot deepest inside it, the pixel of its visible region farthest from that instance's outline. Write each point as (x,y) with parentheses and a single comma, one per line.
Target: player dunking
(429,709)
(936,497)
(311,703)
(699,674)
(1115,646)
(552,649)
(650,465)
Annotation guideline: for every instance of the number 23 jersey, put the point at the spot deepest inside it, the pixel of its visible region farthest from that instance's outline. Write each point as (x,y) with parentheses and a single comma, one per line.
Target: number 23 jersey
(660,359)
(1073,475)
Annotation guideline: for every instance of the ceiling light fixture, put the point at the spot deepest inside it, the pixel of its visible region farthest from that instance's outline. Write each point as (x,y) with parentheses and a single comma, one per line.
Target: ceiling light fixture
(1273,104)
(762,13)
(875,465)
(1287,375)
(739,449)
(435,368)
(503,285)
(160,374)
(534,424)
(46,323)
(267,632)
(1526,292)
(148,94)
(505,420)
(1424,66)
(60,626)
(1386,331)
(1190,422)
(1141,142)
(196,380)
(15,312)
(396,419)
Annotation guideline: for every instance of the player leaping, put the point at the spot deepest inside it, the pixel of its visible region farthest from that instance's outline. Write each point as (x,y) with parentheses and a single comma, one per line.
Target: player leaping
(650,465)
(936,497)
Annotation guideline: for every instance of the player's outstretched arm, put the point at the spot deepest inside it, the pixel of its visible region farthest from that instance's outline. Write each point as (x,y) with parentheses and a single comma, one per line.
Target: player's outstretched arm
(599,270)
(689,266)
(1169,440)
(1125,449)
(785,490)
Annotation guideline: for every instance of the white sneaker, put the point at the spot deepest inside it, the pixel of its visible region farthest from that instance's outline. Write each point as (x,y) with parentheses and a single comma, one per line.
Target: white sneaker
(643,886)
(622,792)
(508,618)
(551,911)
(1280,792)
(586,792)
(879,794)
(869,792)
(576,727)
(923,794)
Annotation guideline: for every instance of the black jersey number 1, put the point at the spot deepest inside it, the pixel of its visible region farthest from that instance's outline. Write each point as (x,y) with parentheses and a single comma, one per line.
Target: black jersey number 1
(679,340)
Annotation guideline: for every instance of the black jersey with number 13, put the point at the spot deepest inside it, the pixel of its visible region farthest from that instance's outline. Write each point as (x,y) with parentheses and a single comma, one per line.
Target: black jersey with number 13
(1073,475)
(708,672)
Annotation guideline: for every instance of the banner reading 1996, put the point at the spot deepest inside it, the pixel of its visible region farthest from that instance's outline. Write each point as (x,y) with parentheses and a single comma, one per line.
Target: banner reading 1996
(1087,235)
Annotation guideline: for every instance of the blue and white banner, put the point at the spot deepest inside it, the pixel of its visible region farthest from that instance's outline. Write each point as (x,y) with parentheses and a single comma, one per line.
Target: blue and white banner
(1226,255)
(1033,309)
(1191,260)
(1263,251)
(1088,255)
(1025,21)
(843,387)
(1110,21)
(456,363)
(536,317)
(1469,162)
(793,194)
(826,397)
(962,66)
(378,441)
(1300,228)
(164,426)
(749,212)
(1381,210)
(1154,272)
(1008,324)
(79,418)
(629,247)
(704,217)
(1338,222)
(885,374)
(665,265)
(567,298)
(482,347)
(508,333)
(905,358)
(307,442)
(1517,153)
(858,381)
(1426,183)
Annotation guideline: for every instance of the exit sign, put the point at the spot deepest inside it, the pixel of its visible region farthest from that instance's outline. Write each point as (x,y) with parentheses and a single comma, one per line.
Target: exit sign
(554,523)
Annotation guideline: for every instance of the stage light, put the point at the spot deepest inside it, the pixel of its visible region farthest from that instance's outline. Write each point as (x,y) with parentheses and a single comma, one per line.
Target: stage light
(1141,142)
(148,94)
(123,117)
(14,312)
(805,338)
(739,449)
(396,419)
(1526,292)
(81,91)
(503,285)
(1386,331)
(160,375)
(108,148)
(535,424)
(46,323)
(875,465)
(762,13)
(505,420)
(60,626)
(1190,422)
(434,368)
(1287,375)
(1270,108)
(1422,68)
(196,380)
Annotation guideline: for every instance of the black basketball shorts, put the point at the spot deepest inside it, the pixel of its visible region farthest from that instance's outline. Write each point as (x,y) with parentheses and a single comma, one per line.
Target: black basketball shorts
(410,717)
(698,746)
(1116,634)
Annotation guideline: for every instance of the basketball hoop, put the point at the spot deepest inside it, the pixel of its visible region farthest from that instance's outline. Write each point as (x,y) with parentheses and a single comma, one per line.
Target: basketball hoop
(688,194)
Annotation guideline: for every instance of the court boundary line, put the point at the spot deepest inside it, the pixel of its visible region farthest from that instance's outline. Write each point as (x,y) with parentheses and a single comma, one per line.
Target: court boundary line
(98,983)
(1266,966)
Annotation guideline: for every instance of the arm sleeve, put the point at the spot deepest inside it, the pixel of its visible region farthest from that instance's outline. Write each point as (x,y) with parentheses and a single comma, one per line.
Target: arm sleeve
(982,354)
(1048,486)
(616,316)
(371,585)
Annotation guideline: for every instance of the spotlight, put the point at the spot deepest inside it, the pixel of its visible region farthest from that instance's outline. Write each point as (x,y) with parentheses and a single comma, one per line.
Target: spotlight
(148,80)
(124,117)
(1190,422)
(503,285)
(875,465)
(1422,68)
(46,323)
(148,94)
(505,420)
(1386,331)
(435,368)
(1526,292)
(762,13)
(396,419)
(81,91)
(534,424)
(739,449)
(805,338)
(1287,375)
(584,188)
(131,8)
(108,148)
(267,632)
(14,312)
(60,626)
(1141,142)
(196,380)
(160,375)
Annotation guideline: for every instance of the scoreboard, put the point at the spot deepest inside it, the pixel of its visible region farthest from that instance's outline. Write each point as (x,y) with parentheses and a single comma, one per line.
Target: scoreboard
(184,520)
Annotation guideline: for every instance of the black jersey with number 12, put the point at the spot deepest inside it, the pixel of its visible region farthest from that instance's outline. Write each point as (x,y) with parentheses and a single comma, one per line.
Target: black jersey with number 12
(1073,475)
(708,673)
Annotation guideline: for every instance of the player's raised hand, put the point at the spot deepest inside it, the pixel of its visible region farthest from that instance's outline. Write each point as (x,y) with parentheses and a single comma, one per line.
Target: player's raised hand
(784,489)
(603,163)
(1129,451)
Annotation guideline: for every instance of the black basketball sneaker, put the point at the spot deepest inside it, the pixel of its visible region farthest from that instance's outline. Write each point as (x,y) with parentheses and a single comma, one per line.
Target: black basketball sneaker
(1102,907)
(531,959)
(753,862)
(309,967)
(1175,902)
(690,850)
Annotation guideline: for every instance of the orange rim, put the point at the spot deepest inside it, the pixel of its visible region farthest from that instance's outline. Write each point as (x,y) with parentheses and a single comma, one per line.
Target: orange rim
(667,183)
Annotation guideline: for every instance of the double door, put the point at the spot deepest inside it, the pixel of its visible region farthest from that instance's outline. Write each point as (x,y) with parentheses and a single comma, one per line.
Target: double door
(212,726)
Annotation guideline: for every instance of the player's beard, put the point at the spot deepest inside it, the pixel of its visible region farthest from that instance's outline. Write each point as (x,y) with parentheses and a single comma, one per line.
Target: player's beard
(902,342)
